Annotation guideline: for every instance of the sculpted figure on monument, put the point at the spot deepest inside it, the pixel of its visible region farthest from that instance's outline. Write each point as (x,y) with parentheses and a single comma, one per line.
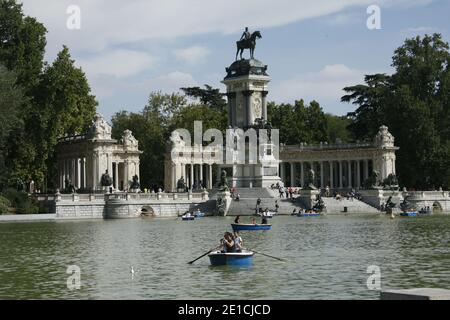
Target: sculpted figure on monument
(310,179)
(247,41)
(70,188)
(106,180)
(135,185)
(181,185)
(100,129)
(224,181)
(373,181)
(391,182)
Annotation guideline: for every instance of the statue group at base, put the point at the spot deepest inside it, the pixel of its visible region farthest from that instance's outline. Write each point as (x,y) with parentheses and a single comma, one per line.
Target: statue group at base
(106,182)
(135,186)
(310,178)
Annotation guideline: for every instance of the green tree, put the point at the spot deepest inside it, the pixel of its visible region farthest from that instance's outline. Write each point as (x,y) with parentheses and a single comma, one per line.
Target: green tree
(67,107)
(22,43)
(11,101)
(299,122)
(337,128)
(414,103)
(209,96)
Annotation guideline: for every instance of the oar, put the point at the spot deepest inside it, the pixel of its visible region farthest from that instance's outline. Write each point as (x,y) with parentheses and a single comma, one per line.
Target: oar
(267,255)
(191,262)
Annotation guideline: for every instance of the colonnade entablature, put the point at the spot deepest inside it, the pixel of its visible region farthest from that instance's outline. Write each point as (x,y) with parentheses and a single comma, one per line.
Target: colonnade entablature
(339,166)
(83,159)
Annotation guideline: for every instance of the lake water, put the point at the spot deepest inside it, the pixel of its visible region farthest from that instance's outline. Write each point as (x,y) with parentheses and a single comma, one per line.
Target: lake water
(327,258)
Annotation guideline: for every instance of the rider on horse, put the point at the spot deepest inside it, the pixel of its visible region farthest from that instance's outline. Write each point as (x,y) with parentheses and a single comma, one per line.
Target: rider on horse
(246,35)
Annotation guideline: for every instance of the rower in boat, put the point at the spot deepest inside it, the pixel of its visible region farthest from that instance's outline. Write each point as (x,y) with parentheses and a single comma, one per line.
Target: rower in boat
(238,242)
(237,220)
(228,242)
(264,220)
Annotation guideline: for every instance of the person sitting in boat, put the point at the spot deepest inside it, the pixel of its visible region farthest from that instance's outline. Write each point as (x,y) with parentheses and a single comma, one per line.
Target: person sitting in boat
(238,242)
(264,220)
(228,242)
(254,221)
(237,220)
(294,213)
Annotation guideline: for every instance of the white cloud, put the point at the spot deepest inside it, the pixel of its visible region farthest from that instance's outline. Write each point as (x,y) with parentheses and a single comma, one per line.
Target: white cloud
(110,22)
(118,63)
(192,55)
(324,86)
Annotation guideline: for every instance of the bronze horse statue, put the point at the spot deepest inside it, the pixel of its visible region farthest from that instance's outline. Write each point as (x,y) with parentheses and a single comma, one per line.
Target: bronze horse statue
(248,44)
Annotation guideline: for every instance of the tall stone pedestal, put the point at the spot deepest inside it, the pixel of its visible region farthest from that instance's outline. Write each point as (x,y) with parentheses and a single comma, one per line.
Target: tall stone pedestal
(309,198)
(223,203)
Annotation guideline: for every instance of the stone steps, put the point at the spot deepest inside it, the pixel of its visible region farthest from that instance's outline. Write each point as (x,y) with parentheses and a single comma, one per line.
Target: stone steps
(353,206)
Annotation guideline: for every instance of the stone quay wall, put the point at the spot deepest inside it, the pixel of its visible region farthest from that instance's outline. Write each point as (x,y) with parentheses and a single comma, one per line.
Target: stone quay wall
(121,205)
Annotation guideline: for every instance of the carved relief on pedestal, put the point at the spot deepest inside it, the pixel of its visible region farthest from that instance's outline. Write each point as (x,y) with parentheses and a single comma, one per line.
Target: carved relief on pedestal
(257,106)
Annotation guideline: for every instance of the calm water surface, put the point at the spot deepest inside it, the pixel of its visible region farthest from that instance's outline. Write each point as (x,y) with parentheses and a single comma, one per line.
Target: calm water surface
(327,258)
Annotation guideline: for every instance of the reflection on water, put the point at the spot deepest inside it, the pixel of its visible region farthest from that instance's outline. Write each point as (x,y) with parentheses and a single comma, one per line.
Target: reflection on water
(327,258)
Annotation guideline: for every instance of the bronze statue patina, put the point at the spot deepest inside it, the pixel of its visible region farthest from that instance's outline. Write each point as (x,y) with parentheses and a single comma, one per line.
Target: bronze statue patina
(248,41)
(135,185)
(389,206)
(70,188)
(106,180)
(181,185)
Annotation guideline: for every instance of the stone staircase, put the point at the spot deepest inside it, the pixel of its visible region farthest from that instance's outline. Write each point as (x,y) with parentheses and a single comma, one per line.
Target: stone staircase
(247,204)
(353,206)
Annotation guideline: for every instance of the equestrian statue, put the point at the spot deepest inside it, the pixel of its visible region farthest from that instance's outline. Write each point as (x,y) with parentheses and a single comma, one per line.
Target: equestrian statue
(248,41)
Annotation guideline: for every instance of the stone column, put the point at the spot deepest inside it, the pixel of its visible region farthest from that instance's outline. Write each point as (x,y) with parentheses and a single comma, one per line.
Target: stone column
(210,177)
(191,182)
(94,171)
(331,175)
(341,185)
(358,174)
(349,173)
(321,175)
(366,169)
(292,174)
(116,180)
(201,175)
(127,175)
(61,172)
(231,108)
(264,103)
(283,173)
(302,174)
(78,173)
(248,106)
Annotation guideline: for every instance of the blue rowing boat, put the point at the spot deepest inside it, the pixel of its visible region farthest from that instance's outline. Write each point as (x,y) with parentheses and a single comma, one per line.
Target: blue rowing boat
(309,215)
(219,258)
(187,218)
(250,227)
(409,214)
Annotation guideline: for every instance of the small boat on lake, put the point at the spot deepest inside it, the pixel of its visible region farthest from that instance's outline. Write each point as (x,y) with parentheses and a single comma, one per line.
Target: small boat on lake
(199,214)
(219,258)
(268,215)
(409,214)
(187,217)
(250,227)
(308,215)
(425,211)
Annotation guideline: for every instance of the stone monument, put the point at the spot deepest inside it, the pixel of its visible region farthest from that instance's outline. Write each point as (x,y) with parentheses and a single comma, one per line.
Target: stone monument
(246,83)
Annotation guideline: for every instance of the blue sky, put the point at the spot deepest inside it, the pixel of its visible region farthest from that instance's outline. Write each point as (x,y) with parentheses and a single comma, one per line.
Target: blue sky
(312,48)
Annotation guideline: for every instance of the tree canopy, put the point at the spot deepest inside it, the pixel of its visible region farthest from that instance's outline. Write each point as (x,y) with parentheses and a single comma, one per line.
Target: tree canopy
(414,103)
